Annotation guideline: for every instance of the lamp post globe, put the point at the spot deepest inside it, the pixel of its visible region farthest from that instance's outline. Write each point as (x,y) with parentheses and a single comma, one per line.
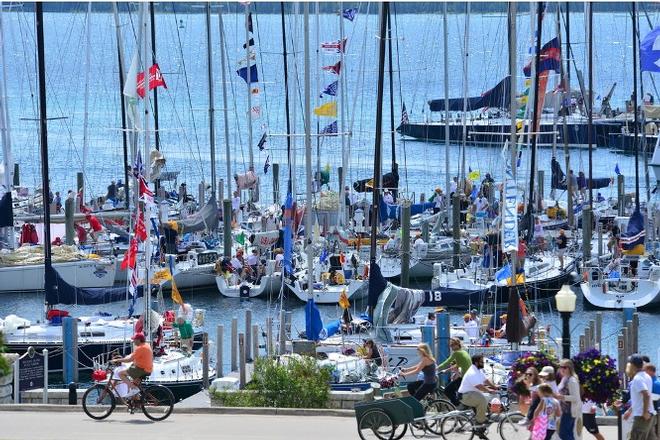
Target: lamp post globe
(565,300)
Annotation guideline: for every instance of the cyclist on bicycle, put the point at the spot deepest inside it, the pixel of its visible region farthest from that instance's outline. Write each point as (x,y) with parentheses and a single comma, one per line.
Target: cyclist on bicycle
(473,389)
(461,359)
(421,388)
(143,362)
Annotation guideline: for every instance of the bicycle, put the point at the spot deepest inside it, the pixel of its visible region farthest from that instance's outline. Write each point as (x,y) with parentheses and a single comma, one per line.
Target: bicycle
(155,401)
(461,424)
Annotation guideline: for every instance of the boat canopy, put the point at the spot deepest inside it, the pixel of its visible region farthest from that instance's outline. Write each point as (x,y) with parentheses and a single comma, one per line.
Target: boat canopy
(497,97)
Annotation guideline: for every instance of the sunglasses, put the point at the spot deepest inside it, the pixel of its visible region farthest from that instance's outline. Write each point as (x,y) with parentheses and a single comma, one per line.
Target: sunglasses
(529,374)
(563,366)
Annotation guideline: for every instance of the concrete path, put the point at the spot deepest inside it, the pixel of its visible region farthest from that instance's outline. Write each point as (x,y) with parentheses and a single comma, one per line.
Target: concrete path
(44,425)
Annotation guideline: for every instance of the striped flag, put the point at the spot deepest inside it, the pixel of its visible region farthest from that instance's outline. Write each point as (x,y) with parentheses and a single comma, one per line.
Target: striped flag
(404,115)
(338,46)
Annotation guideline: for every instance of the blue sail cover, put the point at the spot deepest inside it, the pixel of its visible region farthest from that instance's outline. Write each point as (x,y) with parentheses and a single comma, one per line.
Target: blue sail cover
(632,240)
(313,321)
(497,97)
(388,211)
(59,291)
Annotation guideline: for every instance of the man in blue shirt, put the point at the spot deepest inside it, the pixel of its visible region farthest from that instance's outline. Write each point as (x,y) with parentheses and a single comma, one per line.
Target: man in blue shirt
(655,391)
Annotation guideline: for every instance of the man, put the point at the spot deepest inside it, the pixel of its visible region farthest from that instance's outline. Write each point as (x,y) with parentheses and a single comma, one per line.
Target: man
(474,315)
(430,319)
(460,363)
(439,200)
(655,398)
(236,205)
(562,244)
(387,198)
(471,327)
(143,362)
(473,389)
(112,192)
(453,186)
(641,408)
(238,264)
(392,244)
(501,333)
(480,206)
(254,264)
(186,333)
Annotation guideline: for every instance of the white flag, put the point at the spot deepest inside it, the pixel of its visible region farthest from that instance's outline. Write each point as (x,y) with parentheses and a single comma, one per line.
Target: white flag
(130,91)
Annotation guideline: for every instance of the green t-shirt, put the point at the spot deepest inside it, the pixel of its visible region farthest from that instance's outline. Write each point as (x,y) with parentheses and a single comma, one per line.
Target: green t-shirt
(461,358)
(185,330)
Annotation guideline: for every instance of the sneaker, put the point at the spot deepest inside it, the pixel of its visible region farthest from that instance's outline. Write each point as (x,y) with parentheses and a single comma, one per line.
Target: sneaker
(524,422)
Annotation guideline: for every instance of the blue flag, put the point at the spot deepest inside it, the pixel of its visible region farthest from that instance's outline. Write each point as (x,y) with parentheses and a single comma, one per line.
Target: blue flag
(649,51)
(635,233)
(330,89)
(330,128)
(267,164)
(288,233)
(503,273)
(313,321)
(349,13)
(262,142)
(617,170)
(243,73)
(324,256)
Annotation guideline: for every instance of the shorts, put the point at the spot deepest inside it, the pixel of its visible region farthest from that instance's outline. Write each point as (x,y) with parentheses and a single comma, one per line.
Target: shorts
(561,252)
(589,423)
(136,372)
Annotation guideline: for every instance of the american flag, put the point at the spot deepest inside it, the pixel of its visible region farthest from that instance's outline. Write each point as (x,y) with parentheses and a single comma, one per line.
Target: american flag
(334,46)
(138,166)
(404,115)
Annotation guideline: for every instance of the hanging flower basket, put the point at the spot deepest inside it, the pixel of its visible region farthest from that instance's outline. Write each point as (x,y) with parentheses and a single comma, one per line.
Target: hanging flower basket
(598,376)
(537,360)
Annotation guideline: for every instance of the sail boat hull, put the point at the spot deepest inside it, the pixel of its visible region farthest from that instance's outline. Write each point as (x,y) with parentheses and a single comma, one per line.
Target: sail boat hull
(356,289)
(82,274)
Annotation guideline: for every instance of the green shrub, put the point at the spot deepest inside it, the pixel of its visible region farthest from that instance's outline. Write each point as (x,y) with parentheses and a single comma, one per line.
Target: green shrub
(5,368)
(297,383)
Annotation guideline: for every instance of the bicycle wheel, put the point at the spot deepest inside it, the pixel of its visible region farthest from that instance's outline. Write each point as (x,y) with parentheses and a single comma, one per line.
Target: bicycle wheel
(376,424)
(98,402)
(509,429)
(399,431)
(456,427)
(435,410)
(157,402)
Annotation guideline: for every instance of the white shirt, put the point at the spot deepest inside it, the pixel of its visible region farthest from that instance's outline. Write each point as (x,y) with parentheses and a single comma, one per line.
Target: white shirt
(453,187)
(472,329)
(418,243)
(640,383)
(236,203)
(387,198)
(236,263)
(252,260)
(588,407)
(481,204)
(439,200)
(429,321)
(473,377)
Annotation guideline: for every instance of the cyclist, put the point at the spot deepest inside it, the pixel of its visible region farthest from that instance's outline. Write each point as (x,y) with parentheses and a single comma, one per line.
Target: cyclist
(143,362)
(473,389)
(461,359)
(421,388)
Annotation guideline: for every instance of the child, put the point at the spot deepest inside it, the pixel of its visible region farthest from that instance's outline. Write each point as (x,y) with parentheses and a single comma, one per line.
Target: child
(546,413)
(589,419)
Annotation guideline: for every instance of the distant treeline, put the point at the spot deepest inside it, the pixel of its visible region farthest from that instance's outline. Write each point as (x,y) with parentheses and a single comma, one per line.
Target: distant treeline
(330,7)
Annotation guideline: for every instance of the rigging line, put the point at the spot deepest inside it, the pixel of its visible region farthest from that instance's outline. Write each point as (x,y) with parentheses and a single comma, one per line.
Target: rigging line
(185,76)
(261,58)
(398,65)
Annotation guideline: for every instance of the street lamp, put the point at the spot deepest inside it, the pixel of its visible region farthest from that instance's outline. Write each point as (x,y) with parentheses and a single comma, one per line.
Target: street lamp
(565,299)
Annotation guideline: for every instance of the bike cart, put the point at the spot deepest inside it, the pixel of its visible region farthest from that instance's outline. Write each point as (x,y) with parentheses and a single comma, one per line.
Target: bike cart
(387,419)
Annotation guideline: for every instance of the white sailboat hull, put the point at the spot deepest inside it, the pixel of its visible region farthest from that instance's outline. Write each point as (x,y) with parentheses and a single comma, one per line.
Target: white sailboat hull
(83,274)
(355,289)
(269,284)
(620,294)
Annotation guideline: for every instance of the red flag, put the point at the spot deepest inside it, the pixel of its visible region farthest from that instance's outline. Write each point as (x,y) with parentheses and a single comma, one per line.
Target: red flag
(155,80)
(129,256)
(145,193)
(336,69)
(140,229)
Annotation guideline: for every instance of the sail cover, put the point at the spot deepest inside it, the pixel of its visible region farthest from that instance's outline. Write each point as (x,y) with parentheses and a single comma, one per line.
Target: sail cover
(6,210)
(497,97)
(205,218)
(406,305)
(558,179)
(510,211)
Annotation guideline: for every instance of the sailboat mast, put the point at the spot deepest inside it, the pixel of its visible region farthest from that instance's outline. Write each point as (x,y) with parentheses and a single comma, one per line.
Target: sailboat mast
(445,41)
(342,114)
(43,138)
(209,62)
(124,126)
(88,52)
(249,83)
(466,43)
(147,76)
(286,97)
(513,76)
(391,78)
(147,169)
(4,128)
(590,102)
(634,99)
(384,10)
(308,158)
(225,113)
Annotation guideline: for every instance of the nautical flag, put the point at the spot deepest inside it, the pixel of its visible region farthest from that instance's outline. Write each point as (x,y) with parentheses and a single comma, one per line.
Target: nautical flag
(632,240)
(324,256)
(649,52)
(262,142)
(330,89)
(313,321)
(330,129)
(550,58)
(343,300)
(616,169)
(338,46)
(249,22)
(250,42)
(138,166)
(404,115)
(255,111)
(267,164)
(336,68)
(474,175)
(244,61)
(129,256)
(288,237)
(243,73)
(519,159)
(155,80)
(146,193)
(140,228)
(176,295)
(327,109)
(349,13)
(130,91)
(503,273)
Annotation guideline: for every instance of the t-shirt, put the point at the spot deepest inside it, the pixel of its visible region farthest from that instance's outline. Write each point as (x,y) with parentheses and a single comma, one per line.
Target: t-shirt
(236,203)
(279,258)
(236,263)
(387,198)
(551,405)
(480,204)
(252,260)
(471,379)
(640,383)
(588,407)
(143,358)
(185,329)
(562,241)
(472,329)
(461,358)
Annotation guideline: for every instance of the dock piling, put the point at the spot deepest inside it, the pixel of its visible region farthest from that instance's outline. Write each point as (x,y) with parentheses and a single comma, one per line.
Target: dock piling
(205,360)
(255,342)
(241,369)
(405,243)
(599,330)
(248,335)
(234,344)
(219,336)
(269,336)
(282,333)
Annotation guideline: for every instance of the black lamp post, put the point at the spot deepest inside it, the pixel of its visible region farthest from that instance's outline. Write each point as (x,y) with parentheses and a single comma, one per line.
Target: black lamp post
(565,299)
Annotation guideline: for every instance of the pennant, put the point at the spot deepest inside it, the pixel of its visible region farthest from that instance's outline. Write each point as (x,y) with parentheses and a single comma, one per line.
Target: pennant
(324,256)
(404,115)
(349,13)
(130,92)
(330,129)
(250,42)
(140,228)
(249,22)
(335,69)
(330,89)
(240,238)
(343,300)
(617,170)
(255,112)
(338,46)
(243,73)
(244,61)
(327,109)
(503,273)
(138,166)
(262,142)
(130,255)
(267,164)
(474,175)
(155,80)
(146,193)
(632,240)
(550,58)
(649,52)
(161,276)
(176,295)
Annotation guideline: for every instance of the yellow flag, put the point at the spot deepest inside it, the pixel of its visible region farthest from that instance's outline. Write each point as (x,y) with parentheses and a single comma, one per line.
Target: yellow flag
(519,125)
(327,109)
(474,175)
(343,300)
(161,276)
(176,296)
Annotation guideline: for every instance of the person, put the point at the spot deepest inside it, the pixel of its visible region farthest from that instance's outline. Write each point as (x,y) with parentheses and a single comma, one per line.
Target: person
(143,362)
(236,205)
(372,353)
(183,192)
(546,376)
(419,244)
(388,198)
(480,206)
(421,388)
(471,327)
(112,192)
(430,319)
(439,200)
(547,411)
(460,362)
(392,244)
(58,202)
(562,244)
(238,264)
(539,233)
(570,400)
(473,388)
(655,384)
(522,252)
(453,186)
(589,419)
(279,257)
(186,333)
(641,408)
(254,265)
(600,198)
(501,332)
(526,389)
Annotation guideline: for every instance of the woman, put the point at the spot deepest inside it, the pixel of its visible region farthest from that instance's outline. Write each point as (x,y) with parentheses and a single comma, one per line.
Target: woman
(527,385)
(571,402)
(372,355)
(421,388)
